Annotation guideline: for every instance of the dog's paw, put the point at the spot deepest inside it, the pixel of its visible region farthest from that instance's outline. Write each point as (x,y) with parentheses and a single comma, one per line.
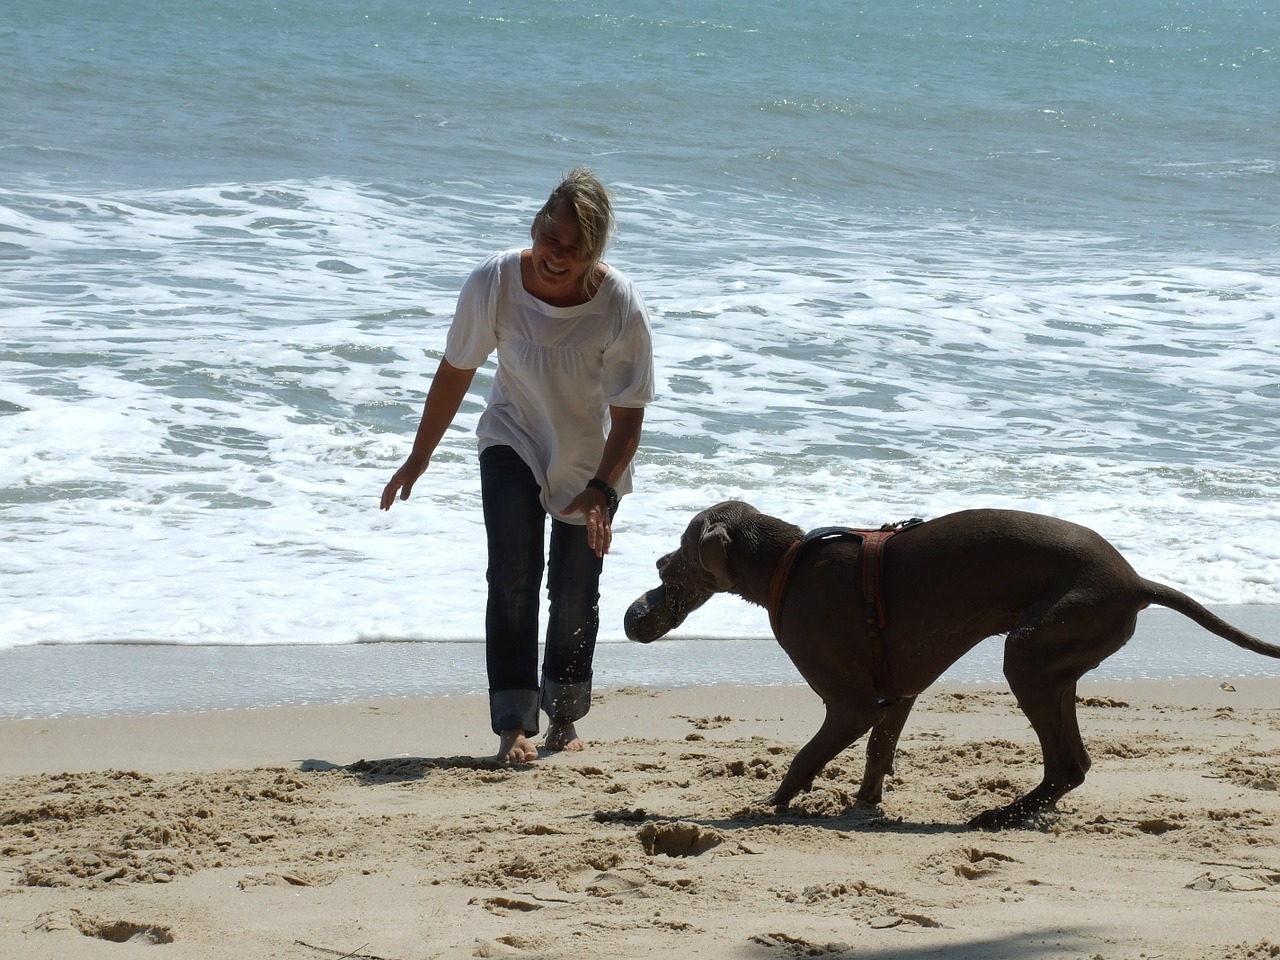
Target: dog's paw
(1002,818)
(998,819)
(785,793)
(777,801)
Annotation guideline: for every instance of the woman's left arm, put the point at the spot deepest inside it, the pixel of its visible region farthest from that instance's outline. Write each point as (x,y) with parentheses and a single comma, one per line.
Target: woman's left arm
(620,446)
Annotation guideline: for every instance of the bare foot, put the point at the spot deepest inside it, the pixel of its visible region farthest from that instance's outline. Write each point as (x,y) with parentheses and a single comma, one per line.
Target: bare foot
(562,736)
(515,747)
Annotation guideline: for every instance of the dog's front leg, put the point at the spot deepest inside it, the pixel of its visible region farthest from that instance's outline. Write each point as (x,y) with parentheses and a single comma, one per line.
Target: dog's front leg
(882,746)
(839,730)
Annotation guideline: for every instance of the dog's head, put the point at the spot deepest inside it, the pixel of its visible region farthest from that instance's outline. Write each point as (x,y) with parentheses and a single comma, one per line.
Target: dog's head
(692,574)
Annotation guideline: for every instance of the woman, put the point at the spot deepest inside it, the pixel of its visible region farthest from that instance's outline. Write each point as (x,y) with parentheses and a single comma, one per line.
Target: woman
(563,421)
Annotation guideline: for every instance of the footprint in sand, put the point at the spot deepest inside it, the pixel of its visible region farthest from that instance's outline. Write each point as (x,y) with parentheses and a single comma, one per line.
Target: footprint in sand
(621,884)
(791,946)
(117,931)
(678,839)
(1235,882)
(979,863)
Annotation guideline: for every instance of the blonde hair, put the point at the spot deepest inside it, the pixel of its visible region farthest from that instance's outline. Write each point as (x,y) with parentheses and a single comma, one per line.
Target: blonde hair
(583,195)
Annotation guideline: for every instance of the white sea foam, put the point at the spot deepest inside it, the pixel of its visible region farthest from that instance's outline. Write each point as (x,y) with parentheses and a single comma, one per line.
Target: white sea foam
(892,272)
(200,420)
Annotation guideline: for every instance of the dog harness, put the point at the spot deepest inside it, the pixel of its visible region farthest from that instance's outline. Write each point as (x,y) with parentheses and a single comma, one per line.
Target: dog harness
(876,618)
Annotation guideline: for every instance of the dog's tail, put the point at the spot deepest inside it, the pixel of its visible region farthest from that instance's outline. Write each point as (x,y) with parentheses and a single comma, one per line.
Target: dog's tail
(1167,596)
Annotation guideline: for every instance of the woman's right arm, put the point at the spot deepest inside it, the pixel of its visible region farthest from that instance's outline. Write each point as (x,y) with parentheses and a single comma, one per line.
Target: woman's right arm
(448,388)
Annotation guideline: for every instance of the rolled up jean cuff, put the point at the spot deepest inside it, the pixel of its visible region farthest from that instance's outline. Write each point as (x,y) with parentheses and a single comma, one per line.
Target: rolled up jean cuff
(565,702)
(514,710)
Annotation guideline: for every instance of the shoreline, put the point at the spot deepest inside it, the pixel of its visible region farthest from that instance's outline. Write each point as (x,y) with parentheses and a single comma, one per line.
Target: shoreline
(109,679)
(378,829)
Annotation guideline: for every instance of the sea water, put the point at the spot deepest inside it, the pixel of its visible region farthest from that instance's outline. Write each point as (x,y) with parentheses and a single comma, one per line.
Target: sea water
(900,259)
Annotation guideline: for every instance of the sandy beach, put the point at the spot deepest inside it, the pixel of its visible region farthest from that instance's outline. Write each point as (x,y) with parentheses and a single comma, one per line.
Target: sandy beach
(377,830)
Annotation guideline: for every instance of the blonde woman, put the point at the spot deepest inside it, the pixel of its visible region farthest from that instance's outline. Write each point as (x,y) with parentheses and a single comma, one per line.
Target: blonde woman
(556,439)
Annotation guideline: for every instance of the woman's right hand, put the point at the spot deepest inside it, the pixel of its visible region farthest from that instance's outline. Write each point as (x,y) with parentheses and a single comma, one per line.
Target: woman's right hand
(448,387)
(401,482)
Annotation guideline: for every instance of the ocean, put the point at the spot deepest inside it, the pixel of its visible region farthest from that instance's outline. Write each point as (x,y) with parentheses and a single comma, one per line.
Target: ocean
(900,259)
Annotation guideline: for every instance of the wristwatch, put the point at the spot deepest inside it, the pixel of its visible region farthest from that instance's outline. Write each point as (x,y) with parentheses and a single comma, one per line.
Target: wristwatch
(610,494)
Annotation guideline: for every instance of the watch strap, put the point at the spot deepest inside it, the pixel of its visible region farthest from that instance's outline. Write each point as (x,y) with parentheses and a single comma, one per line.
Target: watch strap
(610,494)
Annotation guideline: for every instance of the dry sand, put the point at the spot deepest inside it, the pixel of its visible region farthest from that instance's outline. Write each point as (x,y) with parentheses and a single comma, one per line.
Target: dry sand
(370,830)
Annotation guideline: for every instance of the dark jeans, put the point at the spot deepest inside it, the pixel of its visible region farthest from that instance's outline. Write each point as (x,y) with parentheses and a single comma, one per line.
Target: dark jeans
(515,527)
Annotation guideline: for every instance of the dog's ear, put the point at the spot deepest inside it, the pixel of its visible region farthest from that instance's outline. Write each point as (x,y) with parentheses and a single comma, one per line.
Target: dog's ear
(713,554)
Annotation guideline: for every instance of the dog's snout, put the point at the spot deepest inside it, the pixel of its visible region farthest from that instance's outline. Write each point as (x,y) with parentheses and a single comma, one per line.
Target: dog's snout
(648,618)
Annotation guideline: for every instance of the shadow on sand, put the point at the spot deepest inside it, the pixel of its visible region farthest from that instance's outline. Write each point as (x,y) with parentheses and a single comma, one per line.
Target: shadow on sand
(402,769)
(399,769)
(1056,942)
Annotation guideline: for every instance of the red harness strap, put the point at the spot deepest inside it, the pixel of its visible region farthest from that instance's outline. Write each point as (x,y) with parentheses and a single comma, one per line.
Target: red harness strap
(781,580)
(876,617)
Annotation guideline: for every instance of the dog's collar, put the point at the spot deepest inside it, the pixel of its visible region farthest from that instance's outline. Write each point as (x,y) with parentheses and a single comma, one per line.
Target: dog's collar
(778,586)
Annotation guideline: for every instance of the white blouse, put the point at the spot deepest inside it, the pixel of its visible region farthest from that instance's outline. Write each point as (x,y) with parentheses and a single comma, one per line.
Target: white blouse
(559,371)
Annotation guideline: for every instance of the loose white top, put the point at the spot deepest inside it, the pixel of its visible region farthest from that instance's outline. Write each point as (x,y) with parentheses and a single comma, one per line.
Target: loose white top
(559,371)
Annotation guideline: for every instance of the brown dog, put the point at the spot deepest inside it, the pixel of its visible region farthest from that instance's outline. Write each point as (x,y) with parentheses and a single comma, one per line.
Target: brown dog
(1064,596)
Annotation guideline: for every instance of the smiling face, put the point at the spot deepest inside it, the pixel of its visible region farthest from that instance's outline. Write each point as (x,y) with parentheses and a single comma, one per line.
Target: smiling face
(557,268)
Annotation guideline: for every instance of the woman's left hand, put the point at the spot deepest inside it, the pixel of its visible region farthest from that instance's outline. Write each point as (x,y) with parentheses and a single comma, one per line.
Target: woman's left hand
(592,504)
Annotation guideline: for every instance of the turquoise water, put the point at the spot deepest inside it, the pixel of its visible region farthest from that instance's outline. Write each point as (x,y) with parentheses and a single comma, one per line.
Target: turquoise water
(900,260)
(1072,113)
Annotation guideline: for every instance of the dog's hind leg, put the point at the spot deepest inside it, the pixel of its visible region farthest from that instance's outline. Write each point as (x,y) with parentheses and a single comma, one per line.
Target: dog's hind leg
(882,745)
(1051,711)
(839,730)
(1043,668)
